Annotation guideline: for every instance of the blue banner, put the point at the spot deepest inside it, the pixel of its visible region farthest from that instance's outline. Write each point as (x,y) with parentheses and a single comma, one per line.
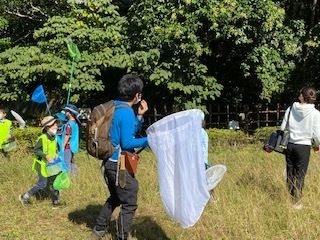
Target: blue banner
(39,95)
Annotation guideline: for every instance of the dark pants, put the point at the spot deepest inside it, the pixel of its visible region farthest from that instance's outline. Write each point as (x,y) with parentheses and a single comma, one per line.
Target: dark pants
(297,158)
(126,197)
(42,184)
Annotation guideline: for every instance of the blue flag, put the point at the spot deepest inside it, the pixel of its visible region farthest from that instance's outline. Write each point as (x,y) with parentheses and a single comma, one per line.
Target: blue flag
(39,95)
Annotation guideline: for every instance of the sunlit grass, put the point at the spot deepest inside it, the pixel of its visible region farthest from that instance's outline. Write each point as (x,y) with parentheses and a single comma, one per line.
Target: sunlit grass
(253,202)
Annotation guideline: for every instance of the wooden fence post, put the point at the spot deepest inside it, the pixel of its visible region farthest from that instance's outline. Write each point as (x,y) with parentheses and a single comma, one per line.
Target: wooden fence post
(228,114)
(267,114)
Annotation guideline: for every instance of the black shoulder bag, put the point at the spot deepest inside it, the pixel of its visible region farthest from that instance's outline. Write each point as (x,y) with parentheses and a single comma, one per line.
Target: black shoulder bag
(278,140)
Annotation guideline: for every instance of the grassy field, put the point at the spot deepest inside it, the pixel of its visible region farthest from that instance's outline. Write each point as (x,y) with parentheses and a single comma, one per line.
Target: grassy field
(253,202)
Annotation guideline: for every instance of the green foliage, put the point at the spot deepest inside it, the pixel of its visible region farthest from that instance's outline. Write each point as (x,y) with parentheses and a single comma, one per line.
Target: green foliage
(25,16)
(262,134)
(26,137)
(96,28)
(176,30)
(4,41)
(259,39)
(309,73)
(189,52)
(226,137)
(23,67)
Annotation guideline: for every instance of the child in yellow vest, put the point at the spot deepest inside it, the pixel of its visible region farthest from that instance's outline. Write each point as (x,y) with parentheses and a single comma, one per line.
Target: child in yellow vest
(5,127)
(45,152)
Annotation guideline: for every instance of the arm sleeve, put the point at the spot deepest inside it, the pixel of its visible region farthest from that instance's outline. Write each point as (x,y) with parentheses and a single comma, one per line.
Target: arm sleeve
(129,127)
(38,150)
(139,122)
(316,128)
(284,120)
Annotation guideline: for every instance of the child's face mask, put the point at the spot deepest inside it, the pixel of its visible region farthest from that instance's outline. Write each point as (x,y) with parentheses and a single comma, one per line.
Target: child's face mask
(52,132)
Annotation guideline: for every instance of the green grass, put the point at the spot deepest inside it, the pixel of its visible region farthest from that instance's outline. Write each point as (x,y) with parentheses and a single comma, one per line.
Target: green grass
(253,202)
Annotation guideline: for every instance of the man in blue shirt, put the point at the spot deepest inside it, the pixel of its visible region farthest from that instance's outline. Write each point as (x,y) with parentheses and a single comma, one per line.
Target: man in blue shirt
(124,127)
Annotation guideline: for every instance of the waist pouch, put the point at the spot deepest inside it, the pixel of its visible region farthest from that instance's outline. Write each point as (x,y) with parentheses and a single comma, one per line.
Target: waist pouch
(131,161)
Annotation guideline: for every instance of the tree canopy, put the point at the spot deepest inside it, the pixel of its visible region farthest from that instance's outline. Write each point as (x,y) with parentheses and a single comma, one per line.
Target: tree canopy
(189,52)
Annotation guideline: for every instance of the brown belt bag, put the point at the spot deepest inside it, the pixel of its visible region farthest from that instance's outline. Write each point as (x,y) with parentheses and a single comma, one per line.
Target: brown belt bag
(131,161)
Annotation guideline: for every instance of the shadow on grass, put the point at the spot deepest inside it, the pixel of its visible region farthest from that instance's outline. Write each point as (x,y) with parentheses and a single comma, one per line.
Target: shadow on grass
(143,228)
(87,215)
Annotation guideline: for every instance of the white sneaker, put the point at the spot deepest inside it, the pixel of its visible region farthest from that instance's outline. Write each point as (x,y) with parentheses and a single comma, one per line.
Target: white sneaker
(24,200)
(297,206)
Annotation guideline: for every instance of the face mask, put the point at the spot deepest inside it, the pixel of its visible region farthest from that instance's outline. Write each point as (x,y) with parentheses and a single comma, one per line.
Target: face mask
(1,116)
(52,132)
(138,99)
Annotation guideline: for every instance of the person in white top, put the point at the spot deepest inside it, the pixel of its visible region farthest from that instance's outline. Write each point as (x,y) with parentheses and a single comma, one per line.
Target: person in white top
(304,127)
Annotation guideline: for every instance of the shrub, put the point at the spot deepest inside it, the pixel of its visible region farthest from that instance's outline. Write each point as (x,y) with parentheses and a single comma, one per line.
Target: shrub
(26,137)
(226,137)
(261,134)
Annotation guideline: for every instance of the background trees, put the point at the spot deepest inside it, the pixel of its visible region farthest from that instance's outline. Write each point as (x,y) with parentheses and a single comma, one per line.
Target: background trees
(189,52)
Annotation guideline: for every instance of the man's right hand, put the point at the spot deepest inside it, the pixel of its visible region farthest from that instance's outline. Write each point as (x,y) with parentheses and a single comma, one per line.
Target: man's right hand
(143,107)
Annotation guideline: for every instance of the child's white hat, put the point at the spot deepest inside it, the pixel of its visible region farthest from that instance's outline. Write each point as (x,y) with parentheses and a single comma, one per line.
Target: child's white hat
(48,121)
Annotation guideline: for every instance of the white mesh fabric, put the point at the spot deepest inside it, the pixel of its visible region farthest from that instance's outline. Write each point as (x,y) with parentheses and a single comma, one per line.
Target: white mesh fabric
(214,175)
(176,143)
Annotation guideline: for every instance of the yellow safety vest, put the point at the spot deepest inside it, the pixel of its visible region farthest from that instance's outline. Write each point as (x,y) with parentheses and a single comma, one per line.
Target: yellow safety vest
(5,126)
(49,147)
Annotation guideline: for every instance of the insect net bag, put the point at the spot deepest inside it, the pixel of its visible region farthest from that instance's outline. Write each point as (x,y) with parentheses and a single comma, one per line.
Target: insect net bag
(176,143)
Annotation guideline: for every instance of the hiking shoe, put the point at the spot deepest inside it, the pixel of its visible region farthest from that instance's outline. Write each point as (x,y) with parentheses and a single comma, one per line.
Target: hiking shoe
(102,234)
(24,199)
(297,206)
(57,204)
(130,237)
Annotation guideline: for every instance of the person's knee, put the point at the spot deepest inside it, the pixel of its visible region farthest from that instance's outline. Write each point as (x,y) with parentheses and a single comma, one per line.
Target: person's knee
(42,185)
(129,206)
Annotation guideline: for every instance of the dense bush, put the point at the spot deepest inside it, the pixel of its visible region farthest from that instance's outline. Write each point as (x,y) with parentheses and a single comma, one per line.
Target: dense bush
(222,137)
(26,137)
(225,137)
(261,134)
(217,137)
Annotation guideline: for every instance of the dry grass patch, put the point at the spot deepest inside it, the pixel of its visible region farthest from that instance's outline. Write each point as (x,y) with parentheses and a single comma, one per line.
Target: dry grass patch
(253,202)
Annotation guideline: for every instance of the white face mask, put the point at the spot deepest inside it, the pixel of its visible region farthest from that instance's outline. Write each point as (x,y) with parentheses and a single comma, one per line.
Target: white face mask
(52,132)
(2,115)
(138,99)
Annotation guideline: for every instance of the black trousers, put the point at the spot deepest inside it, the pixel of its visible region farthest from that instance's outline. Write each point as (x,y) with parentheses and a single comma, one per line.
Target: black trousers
(125,197)
(297,158)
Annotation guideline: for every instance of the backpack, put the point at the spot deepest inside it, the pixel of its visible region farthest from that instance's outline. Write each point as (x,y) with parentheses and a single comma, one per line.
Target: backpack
(98,142)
